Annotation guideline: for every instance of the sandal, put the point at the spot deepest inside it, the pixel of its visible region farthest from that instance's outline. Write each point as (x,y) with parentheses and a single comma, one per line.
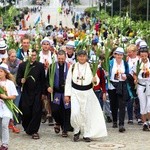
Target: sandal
(64,134)
(35,136)
(57,129)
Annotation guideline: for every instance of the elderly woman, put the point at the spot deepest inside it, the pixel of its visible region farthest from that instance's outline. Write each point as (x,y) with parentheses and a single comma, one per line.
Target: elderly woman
(118,90)
(13,63)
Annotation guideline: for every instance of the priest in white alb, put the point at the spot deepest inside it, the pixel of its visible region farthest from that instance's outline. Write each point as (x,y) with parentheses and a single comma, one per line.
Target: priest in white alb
(86,114)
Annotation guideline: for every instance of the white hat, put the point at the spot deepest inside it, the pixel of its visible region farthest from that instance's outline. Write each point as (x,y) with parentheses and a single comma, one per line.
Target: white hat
(124,39)
(60,36)
(3,45)
(46,39)
(119,50)
(70,35)
(70,44)
(137,42)
(143,44)
(87,31)
(4,67)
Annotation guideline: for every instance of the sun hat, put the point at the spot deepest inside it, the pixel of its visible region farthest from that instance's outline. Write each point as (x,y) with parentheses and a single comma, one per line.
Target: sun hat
(119,50)
(3,45)
(137,42)
(46,39)
(143,44)
(70,44)
(143,47)
(4,67)
(60,36)
(70,35)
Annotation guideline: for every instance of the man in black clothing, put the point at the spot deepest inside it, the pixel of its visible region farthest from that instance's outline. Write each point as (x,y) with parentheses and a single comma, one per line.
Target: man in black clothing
(60,110)
(30,101)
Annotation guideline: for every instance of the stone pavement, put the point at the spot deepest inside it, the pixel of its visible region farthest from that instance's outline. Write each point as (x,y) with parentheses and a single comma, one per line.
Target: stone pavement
(52,9)
(133,139)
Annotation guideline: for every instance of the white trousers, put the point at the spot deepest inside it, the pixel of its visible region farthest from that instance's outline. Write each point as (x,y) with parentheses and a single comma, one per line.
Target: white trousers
(4,130)
(144,100)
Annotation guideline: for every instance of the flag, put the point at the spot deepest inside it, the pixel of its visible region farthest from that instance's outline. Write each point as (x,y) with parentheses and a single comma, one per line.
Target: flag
(37,20)
(27,17)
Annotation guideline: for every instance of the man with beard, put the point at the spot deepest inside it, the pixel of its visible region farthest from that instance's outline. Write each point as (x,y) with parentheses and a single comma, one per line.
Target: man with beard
(60,111)
(30,101)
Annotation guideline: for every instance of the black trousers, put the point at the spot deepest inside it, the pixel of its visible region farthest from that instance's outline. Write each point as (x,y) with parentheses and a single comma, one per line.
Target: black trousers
(117,102)
(61,115)
(31,117)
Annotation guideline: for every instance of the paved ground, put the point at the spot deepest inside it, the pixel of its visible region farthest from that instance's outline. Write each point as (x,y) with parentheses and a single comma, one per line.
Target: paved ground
(52,9)
(133,139)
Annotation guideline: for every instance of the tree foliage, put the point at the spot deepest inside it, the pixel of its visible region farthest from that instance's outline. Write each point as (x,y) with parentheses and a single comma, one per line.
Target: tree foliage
(138,8)
(8,16)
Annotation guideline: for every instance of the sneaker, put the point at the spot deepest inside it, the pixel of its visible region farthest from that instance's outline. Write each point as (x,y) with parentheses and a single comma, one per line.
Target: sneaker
(109,120)
(64,134)
(76,137)
(122,129)
(3,147)
(86,139)
(14,128)
(140,122)
(145,127)
(115,125)
(130,122)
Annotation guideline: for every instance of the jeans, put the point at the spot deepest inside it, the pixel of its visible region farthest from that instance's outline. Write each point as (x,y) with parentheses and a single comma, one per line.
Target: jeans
(99,97)
(130,108)
(133,103)
(106,108)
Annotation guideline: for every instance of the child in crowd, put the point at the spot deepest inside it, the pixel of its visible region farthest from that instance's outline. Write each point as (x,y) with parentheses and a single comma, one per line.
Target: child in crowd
(5,114)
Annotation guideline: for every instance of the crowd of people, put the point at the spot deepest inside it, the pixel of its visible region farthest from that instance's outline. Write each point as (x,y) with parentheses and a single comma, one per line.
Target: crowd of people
(55,81)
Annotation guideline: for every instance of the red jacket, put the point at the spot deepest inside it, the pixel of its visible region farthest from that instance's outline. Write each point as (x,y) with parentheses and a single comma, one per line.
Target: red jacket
(102,84)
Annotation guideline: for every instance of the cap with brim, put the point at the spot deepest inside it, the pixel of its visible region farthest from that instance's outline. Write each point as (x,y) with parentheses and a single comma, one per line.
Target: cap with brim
(60,36)
(3,45)
(119,50)
(81,52)
(137,42)
(46,39)
(70,44)
(4,67)
(143,44)
(70,35)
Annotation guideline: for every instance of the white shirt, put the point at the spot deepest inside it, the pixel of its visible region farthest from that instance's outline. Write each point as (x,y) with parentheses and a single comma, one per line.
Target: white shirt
(132,62)
(120,68)
(11,90)
(47,57)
